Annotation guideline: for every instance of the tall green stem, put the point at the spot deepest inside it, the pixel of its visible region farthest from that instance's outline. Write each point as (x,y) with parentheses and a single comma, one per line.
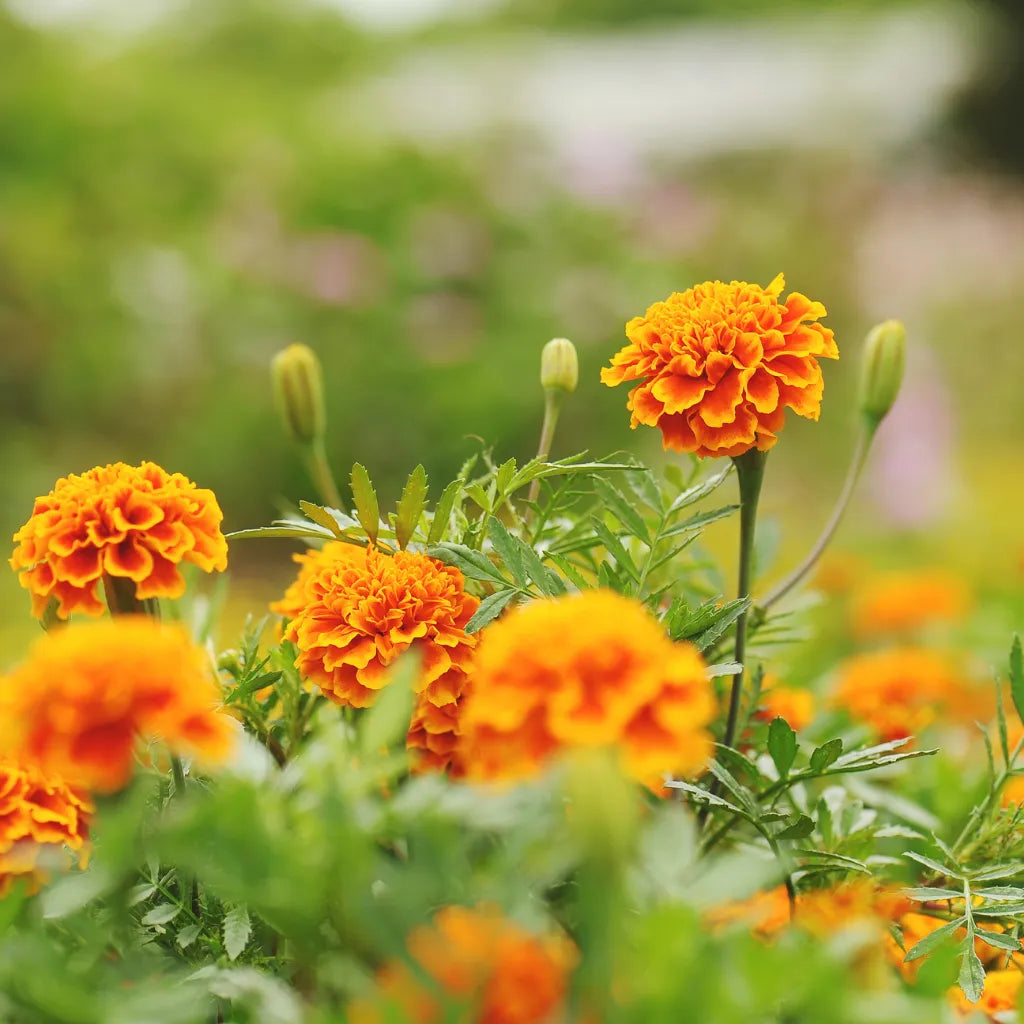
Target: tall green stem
(860,455)
(553,398)
(750,473)
(320,471)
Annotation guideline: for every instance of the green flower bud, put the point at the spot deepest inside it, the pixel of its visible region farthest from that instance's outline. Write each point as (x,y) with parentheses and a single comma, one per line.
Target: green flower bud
(559,367)
(299,392)
(885,354)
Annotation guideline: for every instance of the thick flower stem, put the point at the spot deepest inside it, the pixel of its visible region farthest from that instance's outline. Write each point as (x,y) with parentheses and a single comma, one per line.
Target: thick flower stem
(119,593)
(320,472)
(553,398)
(860,455)
(750,473)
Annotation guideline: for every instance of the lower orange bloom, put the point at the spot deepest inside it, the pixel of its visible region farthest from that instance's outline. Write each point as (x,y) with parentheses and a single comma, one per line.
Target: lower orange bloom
(354,611)
(476,958)
(900,602)
(1002,991)
(42,818)
(899,693)
(588,670)
(795,706)
(85,695)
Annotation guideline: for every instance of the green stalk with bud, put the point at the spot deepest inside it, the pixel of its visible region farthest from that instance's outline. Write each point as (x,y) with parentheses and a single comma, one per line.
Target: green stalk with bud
(559,375)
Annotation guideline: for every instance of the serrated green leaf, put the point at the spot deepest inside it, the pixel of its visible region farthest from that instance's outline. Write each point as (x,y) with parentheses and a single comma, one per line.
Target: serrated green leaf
(1001,892)
(705,796)
(237,929)
(934,939)
(999,910)
(799,829)
(700,490)
(490,608)
(411,506)
(999,939)
(613,501)
(162,913)
(996,871)
(290,532)
(257,682)
(504,476)
(507,550)
(700,520)
(826,827)
(836,859)
(782,745)
(827,754)
(972,973)
(570,571)
(474,565)
(927,893)
(188,935)
(365,498)
(933,865)
(321,517)
(729,613)
(1017,676)
(736,789)
(614,547)
(443,511)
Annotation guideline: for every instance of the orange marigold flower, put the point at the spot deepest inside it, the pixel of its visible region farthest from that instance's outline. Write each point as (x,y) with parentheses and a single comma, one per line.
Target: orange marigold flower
(1013,791)
(1002,989)
(133,522)
(900,692)
(500,972)
(721,363)
(795,706)
(587,670)
(79,702)
(352,611)
(900,602)
(40,816)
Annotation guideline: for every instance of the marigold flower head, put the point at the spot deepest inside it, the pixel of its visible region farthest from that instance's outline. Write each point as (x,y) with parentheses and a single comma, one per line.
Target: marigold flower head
(719,364)
(794,705)
(134,522)
(902,691)
(40,815)
(901,602)
(353,611)
(587,670)
(83,697)
(1002,990)
(477,957)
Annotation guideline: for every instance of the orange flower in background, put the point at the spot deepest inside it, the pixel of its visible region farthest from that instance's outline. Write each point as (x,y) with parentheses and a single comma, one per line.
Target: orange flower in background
(795,706)
(1002,989)
(41,819)
(588,670)
(134,522)
(353,611)
(900,692)
(719,364)
(900,602)
(83,697)
(477,957)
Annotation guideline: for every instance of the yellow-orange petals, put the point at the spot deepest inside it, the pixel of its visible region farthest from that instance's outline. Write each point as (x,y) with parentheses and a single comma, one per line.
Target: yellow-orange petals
(795,706)
(134,522)
(588,670)
(721,363)
(352,611)
(899,692)
(1002,989)
(500,973)
(83,697)
(40,815)
(900,602)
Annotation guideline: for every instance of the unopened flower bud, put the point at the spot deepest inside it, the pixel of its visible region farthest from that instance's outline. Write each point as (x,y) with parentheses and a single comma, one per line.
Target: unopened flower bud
(885,354)
(299,392)
(559,367)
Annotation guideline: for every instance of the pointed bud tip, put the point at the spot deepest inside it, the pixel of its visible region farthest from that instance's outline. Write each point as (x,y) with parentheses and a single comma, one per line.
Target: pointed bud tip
(299,392)
(882,365)
(559,366)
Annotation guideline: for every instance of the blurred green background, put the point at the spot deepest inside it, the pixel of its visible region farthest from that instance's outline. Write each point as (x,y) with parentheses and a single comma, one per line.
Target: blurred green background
(425,191)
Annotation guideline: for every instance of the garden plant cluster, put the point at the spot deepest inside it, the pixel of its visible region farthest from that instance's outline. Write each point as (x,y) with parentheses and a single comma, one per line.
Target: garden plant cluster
(514,752)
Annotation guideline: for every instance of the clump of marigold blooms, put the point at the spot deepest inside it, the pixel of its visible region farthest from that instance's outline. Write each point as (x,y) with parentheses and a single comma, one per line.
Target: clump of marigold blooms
(84,697)
(900,692)
(480,960)
(796,706)
(719,364)
(353,611)
(901,602)
(42,819)
(590,670)
(136,523)
(1002,989)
